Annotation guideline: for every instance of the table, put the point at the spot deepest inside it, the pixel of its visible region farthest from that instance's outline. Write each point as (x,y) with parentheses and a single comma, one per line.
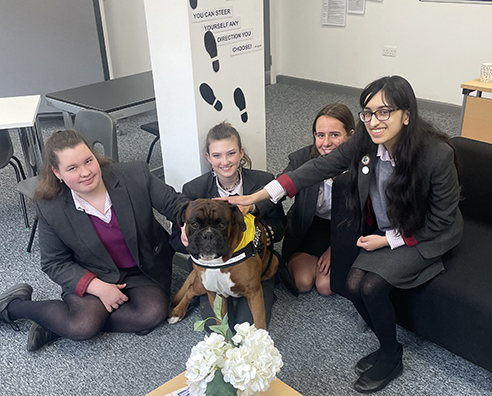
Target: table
(121,97)
(21,112)
(277,388)
(476,112)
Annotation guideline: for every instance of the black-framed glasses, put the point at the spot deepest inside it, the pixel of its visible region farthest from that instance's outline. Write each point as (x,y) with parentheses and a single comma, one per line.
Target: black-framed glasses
(381,114)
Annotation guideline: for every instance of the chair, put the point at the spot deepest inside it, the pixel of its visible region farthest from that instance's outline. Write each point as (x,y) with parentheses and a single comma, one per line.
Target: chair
(153,128)
(7,157)
(96,127)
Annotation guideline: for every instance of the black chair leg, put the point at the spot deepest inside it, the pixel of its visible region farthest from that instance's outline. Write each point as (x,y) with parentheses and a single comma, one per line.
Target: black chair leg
(151,148)
(18,173)
(33,232)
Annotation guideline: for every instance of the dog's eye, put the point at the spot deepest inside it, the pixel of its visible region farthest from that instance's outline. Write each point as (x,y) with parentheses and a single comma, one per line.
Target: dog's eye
(195,225)
(221,226)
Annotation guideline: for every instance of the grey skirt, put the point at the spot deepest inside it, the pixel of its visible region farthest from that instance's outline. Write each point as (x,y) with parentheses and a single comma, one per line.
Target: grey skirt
(403,267)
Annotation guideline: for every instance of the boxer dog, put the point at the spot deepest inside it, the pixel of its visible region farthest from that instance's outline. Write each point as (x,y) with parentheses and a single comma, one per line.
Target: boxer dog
(230,257)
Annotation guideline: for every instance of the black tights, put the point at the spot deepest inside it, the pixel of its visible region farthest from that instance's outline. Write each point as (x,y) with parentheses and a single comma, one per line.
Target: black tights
(370,295)
(80,318)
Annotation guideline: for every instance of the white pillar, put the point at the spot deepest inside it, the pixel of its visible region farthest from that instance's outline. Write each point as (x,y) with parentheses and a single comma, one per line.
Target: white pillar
(196,74)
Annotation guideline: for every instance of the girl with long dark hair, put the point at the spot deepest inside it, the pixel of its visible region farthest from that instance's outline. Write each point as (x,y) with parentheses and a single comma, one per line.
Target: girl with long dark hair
(404,192)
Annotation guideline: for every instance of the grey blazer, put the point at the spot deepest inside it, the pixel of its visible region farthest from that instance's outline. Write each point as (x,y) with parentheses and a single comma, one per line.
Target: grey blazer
(70,246)
(301,214)
(443,224)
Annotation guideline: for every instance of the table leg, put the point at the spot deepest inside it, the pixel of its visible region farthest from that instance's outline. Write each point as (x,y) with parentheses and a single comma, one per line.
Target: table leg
(67,120)
(31,143)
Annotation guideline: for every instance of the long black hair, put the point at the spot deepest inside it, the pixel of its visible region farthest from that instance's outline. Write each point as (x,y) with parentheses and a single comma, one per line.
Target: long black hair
(406,203)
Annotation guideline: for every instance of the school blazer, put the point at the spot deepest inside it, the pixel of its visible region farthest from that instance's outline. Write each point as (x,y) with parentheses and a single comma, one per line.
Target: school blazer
(205,186)
(71,249)
(443,225)
(301,214)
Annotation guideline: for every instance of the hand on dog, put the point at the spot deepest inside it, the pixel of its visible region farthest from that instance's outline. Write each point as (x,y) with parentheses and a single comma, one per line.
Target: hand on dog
(246,200)
(109,294)
(372,242)
(324,262)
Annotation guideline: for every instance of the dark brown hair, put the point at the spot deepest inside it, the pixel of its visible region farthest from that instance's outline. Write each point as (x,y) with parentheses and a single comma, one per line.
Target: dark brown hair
(341,113)
(49,187)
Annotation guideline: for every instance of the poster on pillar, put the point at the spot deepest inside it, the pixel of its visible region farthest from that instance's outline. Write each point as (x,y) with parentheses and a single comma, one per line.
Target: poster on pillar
(226,38)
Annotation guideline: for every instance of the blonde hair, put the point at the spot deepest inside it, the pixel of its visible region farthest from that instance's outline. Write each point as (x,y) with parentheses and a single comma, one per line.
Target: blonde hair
(222,131)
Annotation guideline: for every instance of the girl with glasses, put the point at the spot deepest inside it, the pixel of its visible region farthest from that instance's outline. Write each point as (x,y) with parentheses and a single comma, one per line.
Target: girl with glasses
(404,193)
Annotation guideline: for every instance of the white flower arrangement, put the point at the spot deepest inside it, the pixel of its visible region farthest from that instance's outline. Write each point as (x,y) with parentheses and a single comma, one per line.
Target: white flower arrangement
(240,365)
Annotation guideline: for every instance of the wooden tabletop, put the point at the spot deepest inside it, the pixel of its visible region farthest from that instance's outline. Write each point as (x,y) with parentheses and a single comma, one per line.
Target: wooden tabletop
(477,85)
(277,388)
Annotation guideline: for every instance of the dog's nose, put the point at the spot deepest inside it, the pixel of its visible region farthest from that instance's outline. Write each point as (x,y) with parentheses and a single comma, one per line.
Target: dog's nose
(207,234)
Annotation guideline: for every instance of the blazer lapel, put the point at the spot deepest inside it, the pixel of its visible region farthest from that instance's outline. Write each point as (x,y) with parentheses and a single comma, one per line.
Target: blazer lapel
(83,227)
(249,186)
(366,170)
(211,187)
(123,209)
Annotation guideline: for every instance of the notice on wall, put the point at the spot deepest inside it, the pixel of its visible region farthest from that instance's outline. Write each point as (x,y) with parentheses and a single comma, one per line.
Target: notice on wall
(334,13)
(222,26)
(232,37)
(356,6)
(208,15)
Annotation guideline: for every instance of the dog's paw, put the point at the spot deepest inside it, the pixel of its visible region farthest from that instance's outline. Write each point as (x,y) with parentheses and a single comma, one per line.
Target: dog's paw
(173,319)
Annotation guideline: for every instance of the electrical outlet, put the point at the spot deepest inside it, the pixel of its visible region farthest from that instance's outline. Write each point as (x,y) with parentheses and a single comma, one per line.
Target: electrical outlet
(389,50)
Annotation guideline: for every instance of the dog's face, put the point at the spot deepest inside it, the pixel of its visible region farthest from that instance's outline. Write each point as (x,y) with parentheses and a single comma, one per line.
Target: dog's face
(210,227)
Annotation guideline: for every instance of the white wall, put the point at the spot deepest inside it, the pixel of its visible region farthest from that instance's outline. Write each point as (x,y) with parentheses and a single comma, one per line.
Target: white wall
(440,45)
(126,37)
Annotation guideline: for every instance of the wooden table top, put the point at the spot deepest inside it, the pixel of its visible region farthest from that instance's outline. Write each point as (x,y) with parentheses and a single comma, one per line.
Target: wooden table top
(477,85)
(277,388)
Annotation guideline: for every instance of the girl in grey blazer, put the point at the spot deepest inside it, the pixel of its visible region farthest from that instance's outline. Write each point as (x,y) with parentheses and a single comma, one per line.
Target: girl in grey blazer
(100,242)
(404,194)
(230,175)
(306,246)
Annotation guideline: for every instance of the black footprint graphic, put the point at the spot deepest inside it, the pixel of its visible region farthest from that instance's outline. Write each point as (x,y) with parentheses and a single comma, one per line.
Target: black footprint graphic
(209,97)
(241,103)
(211,47)
(193,3)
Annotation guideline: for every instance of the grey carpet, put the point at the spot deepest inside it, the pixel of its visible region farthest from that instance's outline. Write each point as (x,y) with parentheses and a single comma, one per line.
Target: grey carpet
(316,335)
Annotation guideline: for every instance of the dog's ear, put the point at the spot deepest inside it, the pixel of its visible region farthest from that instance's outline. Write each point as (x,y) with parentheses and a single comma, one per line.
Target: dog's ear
(181,213)
(237,217)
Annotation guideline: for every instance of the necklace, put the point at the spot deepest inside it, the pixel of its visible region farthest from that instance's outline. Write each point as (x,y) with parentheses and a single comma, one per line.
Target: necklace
(232,186)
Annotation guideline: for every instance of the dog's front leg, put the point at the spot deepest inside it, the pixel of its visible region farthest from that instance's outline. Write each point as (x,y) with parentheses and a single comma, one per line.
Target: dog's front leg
(191,288)
(257,307)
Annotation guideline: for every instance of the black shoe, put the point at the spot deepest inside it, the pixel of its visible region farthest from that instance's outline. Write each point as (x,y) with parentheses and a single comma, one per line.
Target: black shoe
(21,291)
(368,361)
(366,385)
(39,336)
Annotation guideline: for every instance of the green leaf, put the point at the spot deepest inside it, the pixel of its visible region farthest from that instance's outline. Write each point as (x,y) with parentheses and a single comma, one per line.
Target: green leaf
(221,329)
(218,387)
(199,325)
(218,307)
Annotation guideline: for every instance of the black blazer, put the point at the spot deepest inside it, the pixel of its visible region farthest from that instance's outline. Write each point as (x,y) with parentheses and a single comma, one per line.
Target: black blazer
(443,224)
(301,214)
(205,186)
(70,246)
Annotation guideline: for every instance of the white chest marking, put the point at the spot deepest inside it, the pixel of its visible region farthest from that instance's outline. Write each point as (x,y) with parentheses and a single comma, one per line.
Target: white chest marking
(218,282)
